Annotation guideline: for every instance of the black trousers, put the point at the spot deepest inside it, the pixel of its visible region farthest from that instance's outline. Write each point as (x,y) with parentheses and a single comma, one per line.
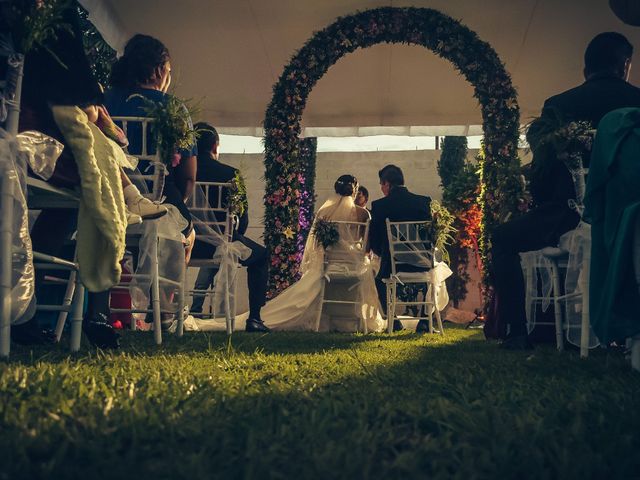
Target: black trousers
(381,287)
(538,228)
(257,274)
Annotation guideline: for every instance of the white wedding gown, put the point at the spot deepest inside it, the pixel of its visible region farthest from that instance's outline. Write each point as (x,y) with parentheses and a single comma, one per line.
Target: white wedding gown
(298,307)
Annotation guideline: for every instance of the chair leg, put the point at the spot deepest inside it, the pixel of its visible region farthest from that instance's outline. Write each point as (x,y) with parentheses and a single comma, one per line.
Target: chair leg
(6,236)
(437,312)
(321,307)
(155,294)
(233,304)
(181,290)
(227,308)
(68,298)
(363,320)
(585,328)
(76,315)
(635,353)
(555,279)
(390,311)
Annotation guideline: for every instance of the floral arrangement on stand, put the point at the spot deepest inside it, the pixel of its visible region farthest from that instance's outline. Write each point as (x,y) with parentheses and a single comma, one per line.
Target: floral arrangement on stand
(440,230)
(570,142)
(443,228)
(173,130)
(446,37)
(172,126)
(236,199)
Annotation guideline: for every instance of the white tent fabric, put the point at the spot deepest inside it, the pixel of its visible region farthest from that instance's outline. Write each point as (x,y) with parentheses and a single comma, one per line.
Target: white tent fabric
(231,52)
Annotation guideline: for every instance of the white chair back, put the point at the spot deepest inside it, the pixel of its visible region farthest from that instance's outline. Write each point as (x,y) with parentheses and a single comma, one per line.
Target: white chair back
(411,244)
(141,127)
(351,248)
(210,208)
(343,263)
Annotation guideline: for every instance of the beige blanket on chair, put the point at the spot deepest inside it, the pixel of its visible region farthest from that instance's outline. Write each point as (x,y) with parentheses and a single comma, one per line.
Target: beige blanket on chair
(102,219)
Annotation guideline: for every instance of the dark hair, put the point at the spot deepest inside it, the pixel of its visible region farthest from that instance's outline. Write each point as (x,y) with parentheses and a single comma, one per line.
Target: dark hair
(345,185)
(208,137)
(364,191)
(137,66)
(607,53)
(391,174)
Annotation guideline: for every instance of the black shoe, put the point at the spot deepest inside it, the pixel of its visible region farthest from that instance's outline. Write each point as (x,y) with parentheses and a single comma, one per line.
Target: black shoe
(165,322)
(422,327)
(254,325)
(29,333)
(100,333)
(397,326)
(520,342)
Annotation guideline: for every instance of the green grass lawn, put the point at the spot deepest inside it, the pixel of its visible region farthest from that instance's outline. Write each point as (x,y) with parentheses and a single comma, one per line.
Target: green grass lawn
(317,406)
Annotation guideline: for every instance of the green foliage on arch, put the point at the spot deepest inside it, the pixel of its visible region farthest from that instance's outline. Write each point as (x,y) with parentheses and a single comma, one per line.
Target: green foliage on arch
(447,38)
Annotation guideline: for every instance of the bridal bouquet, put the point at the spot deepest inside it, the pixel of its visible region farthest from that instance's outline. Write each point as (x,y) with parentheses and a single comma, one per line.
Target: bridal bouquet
(326,232)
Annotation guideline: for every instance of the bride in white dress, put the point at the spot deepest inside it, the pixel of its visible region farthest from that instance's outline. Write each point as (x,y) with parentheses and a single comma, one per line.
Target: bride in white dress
(298,307)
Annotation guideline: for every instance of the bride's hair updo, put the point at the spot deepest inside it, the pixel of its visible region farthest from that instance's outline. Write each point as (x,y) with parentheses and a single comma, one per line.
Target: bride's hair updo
(346,185)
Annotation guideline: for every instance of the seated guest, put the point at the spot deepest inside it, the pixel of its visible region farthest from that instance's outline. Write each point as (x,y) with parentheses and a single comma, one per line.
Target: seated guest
(607,64)
(145,69)
(398,205)
(362,197)
(313,304)
(612,206)
(210,169)
(57,79)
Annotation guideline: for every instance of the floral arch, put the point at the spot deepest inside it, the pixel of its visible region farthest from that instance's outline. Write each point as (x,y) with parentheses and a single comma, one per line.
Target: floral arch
(287,191)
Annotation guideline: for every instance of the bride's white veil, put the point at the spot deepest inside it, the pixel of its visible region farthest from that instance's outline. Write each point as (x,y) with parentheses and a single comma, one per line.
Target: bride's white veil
(336,209)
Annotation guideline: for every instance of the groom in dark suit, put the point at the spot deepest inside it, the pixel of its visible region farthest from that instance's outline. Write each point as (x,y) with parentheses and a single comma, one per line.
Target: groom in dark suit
(398,205)
(211,170)
(607,61)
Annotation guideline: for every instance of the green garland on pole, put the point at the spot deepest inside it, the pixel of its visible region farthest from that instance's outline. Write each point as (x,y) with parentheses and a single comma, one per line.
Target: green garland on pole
(460,187)
(446,37)
(308,148)
(100,54)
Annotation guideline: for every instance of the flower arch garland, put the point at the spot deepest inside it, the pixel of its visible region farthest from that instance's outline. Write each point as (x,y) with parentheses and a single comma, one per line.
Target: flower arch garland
(475,59)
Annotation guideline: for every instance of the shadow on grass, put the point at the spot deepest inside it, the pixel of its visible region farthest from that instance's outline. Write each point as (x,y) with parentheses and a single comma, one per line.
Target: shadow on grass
(142,344)
(462,409)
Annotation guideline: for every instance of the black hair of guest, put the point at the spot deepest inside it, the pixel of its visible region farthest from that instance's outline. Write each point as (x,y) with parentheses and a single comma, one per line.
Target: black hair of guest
(207,139)
(143,55)
(392,175)
(345,185)
(364,191)
(607,53)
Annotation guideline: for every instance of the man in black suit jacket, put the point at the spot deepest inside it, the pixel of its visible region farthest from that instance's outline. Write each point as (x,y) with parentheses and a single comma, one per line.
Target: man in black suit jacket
(211,170)
(607,64)
(398,205)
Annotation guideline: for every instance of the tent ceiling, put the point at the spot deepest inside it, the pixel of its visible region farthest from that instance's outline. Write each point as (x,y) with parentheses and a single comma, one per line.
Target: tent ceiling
(229,53)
